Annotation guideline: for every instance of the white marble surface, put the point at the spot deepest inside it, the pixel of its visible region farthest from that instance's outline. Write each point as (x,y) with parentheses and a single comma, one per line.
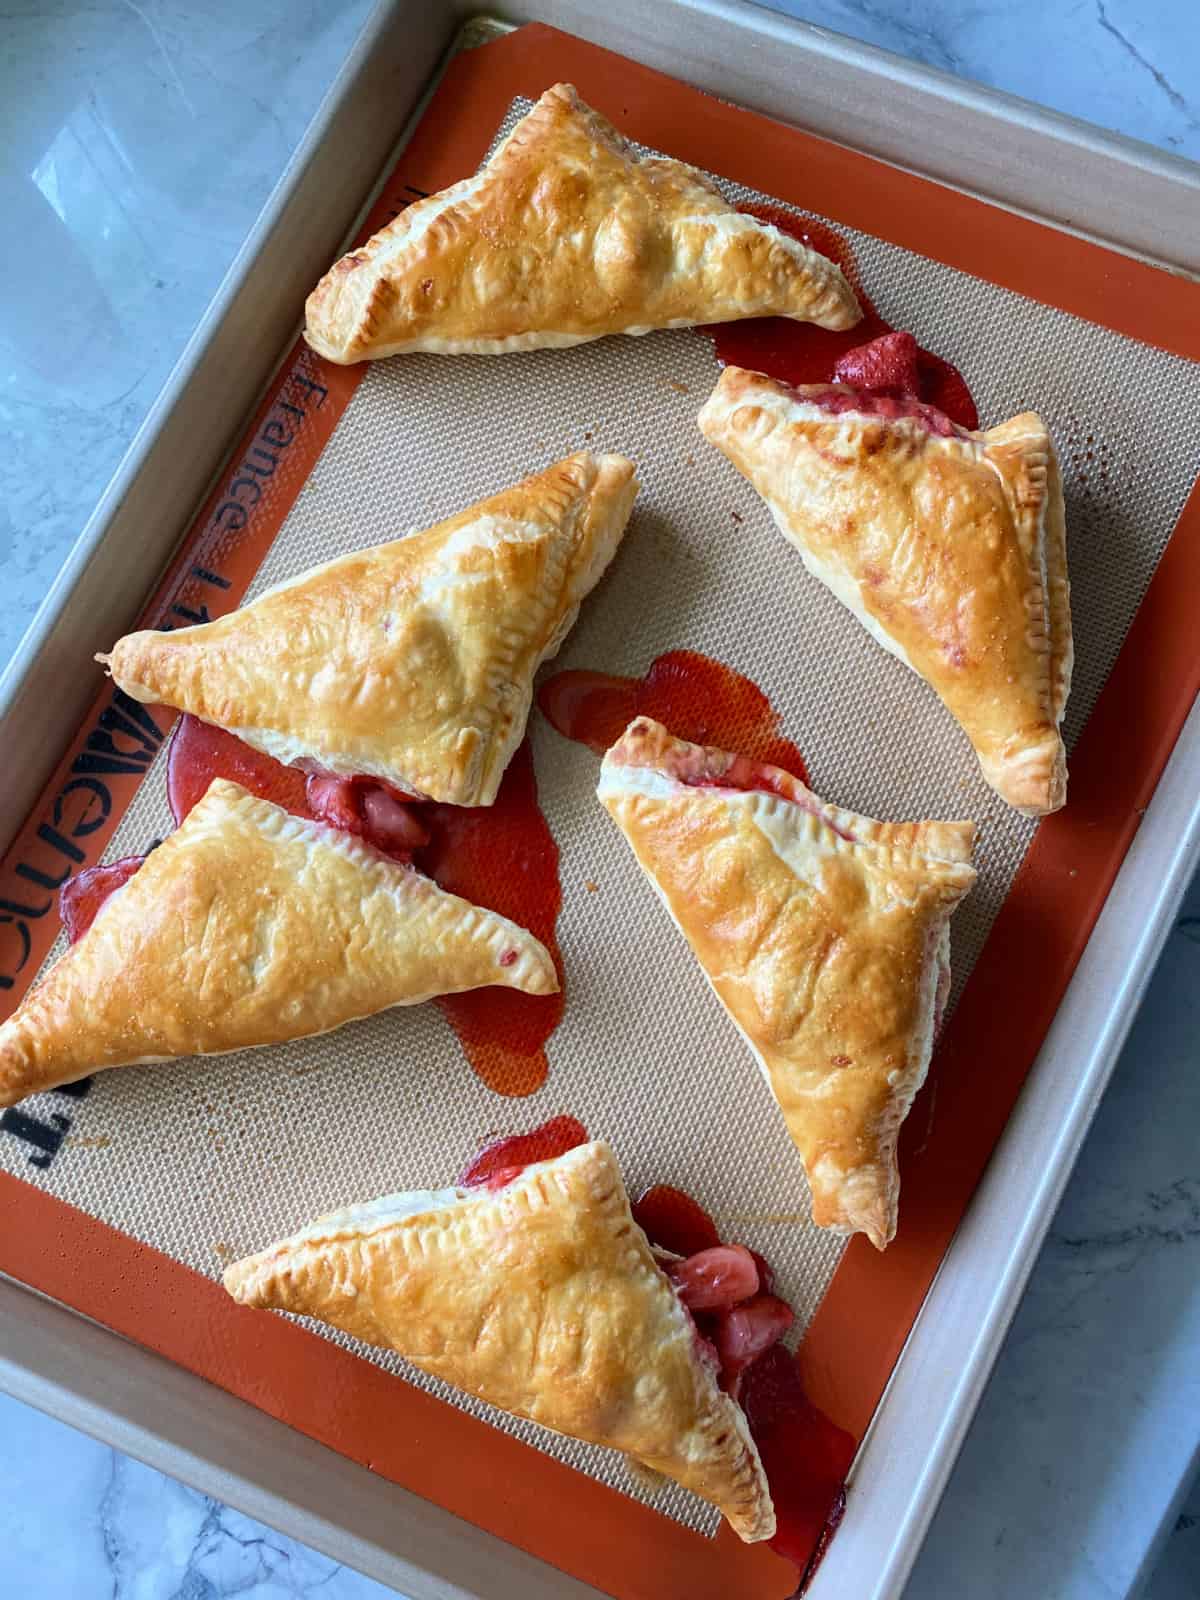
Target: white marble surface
(137,143)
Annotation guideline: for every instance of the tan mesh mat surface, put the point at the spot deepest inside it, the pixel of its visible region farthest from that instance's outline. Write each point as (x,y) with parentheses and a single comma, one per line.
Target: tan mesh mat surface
(211,1159)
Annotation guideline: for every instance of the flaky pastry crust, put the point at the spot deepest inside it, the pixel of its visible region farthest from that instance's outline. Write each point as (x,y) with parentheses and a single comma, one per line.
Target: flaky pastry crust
(412,661)
(824,934)
(249,926)
(565,235)
(543,1299)
(951,550)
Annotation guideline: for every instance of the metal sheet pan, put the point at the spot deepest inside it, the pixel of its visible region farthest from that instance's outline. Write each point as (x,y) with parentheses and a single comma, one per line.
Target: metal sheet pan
(1119,192)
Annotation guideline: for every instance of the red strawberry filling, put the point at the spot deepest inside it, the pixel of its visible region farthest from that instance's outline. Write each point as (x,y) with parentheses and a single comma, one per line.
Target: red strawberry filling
(715,1279)
(332,800)
(887,365)
(83,895)
(804,1455)
(726,1288)
(747,1330)
(369,808)
(721,1287)
(890,407)
(872,357)
(199,753)
(366,807)
(699,699)
(766,1273)
(751,777)
(888,377)
(675,1222)
(746,775)
(710,1278)
(390,822)
(502,1161)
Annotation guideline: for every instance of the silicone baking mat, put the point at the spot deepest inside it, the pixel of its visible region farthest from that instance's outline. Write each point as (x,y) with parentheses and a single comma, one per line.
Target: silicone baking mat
(201,1161)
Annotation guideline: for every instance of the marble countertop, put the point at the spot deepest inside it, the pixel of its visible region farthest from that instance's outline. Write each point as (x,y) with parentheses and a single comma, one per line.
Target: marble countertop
(138,144)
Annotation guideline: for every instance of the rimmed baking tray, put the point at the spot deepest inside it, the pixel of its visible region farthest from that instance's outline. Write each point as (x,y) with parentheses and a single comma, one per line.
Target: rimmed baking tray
(921,1420)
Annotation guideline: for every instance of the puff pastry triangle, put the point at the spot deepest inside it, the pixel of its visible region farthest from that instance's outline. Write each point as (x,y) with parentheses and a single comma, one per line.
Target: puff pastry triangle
(249,926)
(566,235)
(412,661)
(824,934)
(948,546)
(543,1299)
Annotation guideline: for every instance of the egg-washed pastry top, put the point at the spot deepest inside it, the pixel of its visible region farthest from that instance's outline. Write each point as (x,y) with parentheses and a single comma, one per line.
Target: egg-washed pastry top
(948,546)
(566,235)
(825,935)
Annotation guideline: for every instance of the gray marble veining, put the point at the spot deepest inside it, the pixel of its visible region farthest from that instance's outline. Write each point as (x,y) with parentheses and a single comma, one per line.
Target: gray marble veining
(108,1528)
(1129,65)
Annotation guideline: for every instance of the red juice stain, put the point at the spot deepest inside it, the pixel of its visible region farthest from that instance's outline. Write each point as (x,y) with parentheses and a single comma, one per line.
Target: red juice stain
(804,1455)
(697,698)
(674,1221)
(82,896)
(498,1163)
(593,708)
(502,857)
(199,753)
(802,353)
(367,807)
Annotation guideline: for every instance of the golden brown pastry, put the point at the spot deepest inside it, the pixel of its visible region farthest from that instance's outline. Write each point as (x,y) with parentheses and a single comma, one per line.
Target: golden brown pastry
(565,235)
(411,661)
(543,1299)
(825,935)
(949,547)
(249,926)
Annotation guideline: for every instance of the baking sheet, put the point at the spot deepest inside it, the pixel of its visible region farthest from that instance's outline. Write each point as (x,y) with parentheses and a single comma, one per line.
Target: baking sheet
(177,1155)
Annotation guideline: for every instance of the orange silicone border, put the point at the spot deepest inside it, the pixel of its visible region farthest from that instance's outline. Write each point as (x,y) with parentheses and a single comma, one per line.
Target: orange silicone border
(433,1449)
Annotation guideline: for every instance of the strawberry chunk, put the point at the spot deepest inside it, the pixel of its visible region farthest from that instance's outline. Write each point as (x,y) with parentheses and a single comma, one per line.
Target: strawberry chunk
(373,811)
(766,1273)
(889,364)
(390,825)
(333,801)
(716,1279)
(743,1333)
